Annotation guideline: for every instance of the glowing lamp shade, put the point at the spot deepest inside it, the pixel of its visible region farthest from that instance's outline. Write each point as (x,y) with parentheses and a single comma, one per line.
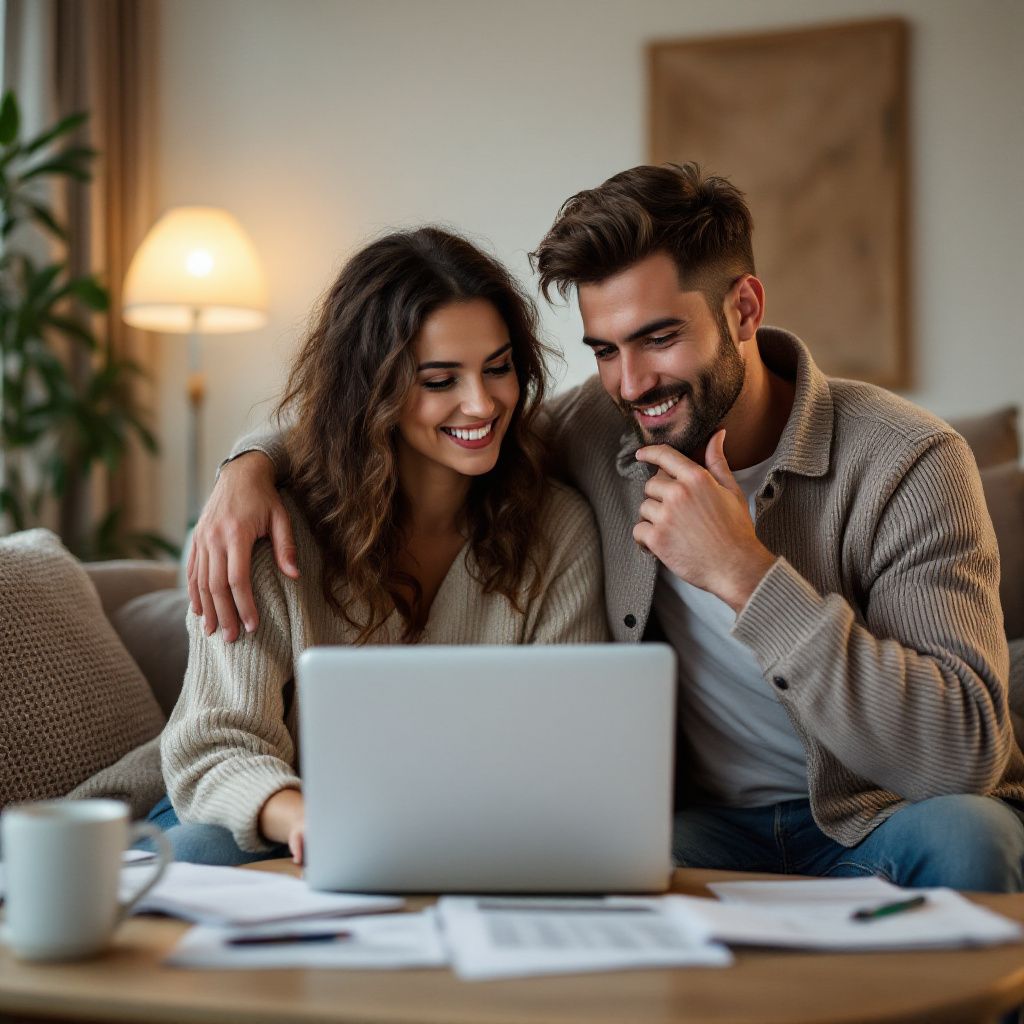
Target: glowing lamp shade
(196,271)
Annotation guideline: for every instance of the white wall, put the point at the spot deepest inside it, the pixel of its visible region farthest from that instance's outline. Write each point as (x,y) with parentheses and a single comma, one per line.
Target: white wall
(319,122)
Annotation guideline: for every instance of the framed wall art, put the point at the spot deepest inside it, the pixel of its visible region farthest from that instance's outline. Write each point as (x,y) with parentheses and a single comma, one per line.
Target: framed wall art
(812,125)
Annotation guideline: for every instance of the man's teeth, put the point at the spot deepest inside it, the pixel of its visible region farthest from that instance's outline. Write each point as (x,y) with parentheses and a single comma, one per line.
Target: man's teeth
(469,435)
(660,410)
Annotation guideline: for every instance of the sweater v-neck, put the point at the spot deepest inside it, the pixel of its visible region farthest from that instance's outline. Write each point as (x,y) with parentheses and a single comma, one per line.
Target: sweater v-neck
(439,607)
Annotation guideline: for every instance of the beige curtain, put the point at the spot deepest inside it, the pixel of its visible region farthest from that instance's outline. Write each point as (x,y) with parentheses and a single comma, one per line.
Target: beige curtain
(100,56)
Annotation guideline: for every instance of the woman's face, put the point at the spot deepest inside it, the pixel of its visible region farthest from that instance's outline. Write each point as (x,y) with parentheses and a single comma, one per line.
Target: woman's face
(465,391)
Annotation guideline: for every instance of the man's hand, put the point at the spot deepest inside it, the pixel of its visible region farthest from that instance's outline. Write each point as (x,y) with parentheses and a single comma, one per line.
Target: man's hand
(243,507)
(696,522)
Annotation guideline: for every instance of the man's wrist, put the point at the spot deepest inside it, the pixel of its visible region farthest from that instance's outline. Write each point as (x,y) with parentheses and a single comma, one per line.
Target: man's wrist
(746,577)
(249,463)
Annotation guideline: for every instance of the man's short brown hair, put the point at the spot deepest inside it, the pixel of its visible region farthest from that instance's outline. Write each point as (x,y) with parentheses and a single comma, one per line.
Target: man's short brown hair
(701,221)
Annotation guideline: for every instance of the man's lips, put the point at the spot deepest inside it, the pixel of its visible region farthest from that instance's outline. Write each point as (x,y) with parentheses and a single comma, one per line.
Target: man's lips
(654,414)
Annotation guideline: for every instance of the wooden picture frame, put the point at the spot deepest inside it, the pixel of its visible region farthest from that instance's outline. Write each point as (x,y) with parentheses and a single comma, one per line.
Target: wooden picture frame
(812,125)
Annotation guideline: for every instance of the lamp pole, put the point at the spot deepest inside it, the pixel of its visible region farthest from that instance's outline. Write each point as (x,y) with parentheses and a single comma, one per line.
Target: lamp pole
(195,387)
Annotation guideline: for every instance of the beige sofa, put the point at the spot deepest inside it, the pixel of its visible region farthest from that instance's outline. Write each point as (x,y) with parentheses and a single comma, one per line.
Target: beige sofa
(146,606)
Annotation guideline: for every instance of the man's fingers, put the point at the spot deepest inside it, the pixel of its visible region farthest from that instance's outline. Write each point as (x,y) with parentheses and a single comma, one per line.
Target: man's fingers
(652,511)
(223,600)
(667,458)
(205,597)
(194,600)
(283,541)
(643,533)
(661,486)
(240,582)
(717,464)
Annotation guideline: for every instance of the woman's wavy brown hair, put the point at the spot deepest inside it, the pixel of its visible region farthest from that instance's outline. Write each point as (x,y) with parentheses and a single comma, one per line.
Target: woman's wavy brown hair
(345,394)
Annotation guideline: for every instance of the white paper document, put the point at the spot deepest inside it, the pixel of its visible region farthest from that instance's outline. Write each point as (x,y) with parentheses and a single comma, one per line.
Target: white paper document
(223,896)
(491,937)
(389,941)
(811,915)
(846,891)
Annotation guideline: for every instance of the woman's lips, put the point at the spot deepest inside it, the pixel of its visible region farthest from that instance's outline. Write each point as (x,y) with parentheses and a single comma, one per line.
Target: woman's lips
(470,438)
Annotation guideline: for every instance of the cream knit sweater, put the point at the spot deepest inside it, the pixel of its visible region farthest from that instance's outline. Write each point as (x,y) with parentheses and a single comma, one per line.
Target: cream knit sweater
(231,744)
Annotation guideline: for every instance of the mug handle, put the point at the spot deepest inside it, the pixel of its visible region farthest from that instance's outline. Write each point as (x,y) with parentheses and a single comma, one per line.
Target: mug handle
(147,830)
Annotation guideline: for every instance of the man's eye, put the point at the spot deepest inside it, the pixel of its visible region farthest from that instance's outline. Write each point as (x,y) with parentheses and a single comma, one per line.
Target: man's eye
(439,385)
(605,352)
(499,371)
(661,339)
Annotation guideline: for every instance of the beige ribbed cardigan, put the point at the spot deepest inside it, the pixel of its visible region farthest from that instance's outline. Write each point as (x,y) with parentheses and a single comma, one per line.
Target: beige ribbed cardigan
(878,627)
(230,744)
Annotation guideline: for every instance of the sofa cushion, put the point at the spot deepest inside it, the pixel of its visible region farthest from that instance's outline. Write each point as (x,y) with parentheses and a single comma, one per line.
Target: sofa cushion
(152,629)
(1004,496)
(994,437)
(74,702)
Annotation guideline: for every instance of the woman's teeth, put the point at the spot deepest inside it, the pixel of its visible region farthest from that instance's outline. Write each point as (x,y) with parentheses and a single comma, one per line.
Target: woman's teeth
(469,435)
(660,410)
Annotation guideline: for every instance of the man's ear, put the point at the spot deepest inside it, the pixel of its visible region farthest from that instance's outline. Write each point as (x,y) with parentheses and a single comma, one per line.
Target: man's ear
(745,303)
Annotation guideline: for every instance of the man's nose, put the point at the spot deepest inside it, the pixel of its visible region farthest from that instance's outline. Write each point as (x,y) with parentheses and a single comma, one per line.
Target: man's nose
(636,379)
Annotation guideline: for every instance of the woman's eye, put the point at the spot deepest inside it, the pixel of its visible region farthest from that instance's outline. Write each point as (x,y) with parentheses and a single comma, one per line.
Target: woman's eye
(499,371)
(439,385)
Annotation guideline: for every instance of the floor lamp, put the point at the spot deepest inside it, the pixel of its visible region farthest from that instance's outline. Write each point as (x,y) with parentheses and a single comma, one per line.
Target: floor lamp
(195,273)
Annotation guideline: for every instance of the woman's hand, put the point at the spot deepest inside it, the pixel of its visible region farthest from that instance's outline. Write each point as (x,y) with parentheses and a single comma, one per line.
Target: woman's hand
(243,507)
(283,820)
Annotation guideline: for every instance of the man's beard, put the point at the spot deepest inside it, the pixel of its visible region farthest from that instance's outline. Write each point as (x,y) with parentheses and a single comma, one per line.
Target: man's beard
(711,397)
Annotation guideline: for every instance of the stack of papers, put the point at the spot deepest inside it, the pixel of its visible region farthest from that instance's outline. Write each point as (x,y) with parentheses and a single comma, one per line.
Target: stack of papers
(506,938)
(818,914)
(360,943)
(227,896)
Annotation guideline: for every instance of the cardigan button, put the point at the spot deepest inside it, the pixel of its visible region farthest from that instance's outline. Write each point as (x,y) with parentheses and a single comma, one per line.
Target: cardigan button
(780,682)
(630,621)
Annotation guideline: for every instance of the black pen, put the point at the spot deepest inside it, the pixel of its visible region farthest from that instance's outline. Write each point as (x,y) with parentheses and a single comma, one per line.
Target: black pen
(286,938)
(873,913)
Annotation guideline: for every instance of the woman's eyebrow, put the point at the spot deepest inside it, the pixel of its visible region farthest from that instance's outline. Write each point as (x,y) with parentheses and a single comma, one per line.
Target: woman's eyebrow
(458,366)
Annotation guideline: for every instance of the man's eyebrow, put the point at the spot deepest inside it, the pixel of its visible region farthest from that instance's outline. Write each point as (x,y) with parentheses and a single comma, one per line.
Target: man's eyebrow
(643,332)
(458,366)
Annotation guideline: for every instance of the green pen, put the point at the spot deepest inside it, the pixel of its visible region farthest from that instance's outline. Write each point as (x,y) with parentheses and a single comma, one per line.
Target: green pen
(873,913)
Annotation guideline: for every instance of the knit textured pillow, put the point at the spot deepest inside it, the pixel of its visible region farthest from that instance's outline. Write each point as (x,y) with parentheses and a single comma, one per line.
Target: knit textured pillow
(73,701)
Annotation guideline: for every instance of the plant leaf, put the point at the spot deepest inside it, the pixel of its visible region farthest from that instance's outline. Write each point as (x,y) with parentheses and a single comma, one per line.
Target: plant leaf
(75,330)
(62,127)
(92,293)
(46,218)
(10,118)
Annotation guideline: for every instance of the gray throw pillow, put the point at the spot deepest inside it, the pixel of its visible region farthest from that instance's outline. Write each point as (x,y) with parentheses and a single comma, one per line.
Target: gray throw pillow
(994,436)
(152,629)
(1004,496)
(74,702)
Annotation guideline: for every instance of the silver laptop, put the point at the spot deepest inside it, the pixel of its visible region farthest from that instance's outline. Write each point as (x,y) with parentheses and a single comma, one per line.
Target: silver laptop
(488,769)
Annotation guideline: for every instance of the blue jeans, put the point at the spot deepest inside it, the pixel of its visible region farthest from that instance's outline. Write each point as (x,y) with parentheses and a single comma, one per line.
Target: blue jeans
(961,841)
(203,844)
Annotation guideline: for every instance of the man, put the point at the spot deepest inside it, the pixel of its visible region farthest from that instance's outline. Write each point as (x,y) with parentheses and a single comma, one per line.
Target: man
(817,551)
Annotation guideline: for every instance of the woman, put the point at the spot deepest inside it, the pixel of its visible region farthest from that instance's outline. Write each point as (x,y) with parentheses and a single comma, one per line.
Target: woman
(421,515)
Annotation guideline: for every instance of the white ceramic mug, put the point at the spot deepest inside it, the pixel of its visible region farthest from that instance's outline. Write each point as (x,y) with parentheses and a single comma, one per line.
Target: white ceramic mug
(62,870)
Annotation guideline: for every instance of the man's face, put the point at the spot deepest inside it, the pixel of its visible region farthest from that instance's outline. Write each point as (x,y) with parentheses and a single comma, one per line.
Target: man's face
(668,363)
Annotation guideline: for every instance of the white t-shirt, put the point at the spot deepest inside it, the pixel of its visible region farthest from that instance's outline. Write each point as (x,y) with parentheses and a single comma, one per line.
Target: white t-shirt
(740,746)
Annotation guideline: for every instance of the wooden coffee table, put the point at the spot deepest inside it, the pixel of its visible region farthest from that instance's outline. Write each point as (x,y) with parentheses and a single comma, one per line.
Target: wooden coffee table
(764,987)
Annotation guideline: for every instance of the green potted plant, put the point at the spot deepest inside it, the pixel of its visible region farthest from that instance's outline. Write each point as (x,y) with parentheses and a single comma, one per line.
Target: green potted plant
(65,402)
